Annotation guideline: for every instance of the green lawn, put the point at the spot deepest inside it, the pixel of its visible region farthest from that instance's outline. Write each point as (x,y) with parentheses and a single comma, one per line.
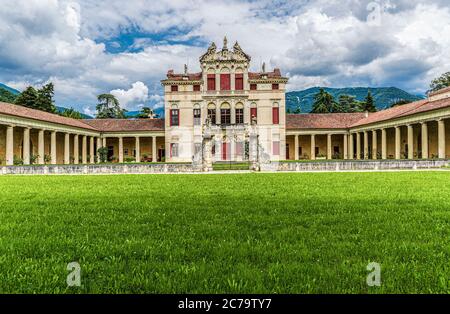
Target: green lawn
(244,233)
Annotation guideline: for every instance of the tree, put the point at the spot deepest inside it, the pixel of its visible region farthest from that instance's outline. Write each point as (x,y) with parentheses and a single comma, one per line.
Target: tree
(109,107)
(45,98)
(147,113)
(439,83)
(348,103)
(28,98)
(7,96)
(369,104)
(71,113)
(324,103)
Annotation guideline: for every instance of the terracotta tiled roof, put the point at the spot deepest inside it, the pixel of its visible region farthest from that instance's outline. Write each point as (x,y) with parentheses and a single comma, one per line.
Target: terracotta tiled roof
(322,121)
(24,112)
(276,73)
(441,91)
(180,77)
(124,125)
(404,110)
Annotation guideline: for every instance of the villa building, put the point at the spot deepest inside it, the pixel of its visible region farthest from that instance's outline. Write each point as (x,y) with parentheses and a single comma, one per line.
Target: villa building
(230,101)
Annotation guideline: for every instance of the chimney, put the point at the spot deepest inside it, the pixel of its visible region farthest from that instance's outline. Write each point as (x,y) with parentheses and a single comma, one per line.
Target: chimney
(366,114)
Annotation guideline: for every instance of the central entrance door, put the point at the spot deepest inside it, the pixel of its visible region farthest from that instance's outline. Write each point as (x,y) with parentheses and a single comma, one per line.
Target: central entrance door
(224,151)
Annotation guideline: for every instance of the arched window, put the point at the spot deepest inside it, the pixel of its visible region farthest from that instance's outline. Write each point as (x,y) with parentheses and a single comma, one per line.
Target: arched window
(225,113)
(239,79)
(174,115)
(197,114)
(225,79)
(212,113)
(211,79)
(253,110)
(239,113)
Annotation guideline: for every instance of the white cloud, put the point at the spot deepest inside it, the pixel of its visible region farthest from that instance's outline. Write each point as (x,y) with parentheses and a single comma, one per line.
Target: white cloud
(136,95)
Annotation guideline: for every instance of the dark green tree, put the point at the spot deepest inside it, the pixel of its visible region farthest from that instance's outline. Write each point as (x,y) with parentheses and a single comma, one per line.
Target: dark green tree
(28,98)
(7,96)
(324,103)
(369,103)
(349,103)
(439,83)
(147,113)
(71,113)
(108,107)
(45,98)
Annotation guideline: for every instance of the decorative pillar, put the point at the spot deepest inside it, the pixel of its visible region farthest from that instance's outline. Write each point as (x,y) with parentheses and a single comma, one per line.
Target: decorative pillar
(121,149)
(329,155)
(53,147)
(91,150)
(313,147)
(297,157)
(217,81)
(351,146)
(138,149)
(358,146)
(374,145)
(441,138)
(397,142)
(76,149)
(410,142)
(9,145)
(26,146)
(383,144)
(366,145)
(154,157)
(425,140)
(99,145)
(104,142)
(66,148)
(345,147)
(41,147)
(84,150)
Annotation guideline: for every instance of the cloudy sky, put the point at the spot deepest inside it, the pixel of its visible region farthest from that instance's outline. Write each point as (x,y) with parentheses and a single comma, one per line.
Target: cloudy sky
(88,47)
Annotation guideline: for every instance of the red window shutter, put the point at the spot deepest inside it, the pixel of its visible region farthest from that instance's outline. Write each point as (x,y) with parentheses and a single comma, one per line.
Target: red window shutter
(253,87)
(174,88)
(211,82)
(253,112)
(224,151)
(224,81)
(239,82)
(170,120)
(275,115)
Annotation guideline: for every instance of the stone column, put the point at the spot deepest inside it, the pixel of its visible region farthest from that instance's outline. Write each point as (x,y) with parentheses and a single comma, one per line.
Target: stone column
(154,157)
(410,142)
(345,156)
(425,140)
(366,145)
(313,147)
(441,138)
(351,146)
(76,149)
(84,150)
(41,147)
(121,149)
(91,150)
(383,144)
(217,81)
(374,145)
(138,149)
(296,147)
(329,153)
(104,142)
(66,148)
(53,147)
(9,145)
(218,115)
(358,146)
(232,81)
(397,142)
(26,146)
(99,145)
(232,112)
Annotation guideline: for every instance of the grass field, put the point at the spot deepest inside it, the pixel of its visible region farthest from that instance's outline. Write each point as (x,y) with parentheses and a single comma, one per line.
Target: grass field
(243,233)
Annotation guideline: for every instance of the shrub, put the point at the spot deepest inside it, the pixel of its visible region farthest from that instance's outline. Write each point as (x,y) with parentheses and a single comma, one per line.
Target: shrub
(103,154)
(17,161)
(33,159)
(47,159)
(129,159)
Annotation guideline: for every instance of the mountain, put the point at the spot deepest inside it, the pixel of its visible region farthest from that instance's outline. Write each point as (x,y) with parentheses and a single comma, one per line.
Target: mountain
(384,96)
(9,89)
(62,109)
(133,114)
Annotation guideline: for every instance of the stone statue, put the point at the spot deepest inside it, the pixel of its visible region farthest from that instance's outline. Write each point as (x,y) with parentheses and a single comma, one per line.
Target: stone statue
(185,69)
(225,42)
(264,67)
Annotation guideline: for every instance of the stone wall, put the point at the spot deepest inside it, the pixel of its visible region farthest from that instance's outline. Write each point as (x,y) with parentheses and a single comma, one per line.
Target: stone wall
(99,169)
(361,165)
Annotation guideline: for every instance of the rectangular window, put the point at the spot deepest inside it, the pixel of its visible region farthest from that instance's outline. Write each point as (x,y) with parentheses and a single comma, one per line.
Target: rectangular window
(276,148)
(275,86)
(211,81)
(174,88)
(224,81)
(174,117)
(253,87)
(275,115)
(197,115)
(239,116)
(225,116)
(174,150)
(212,115)
(253,112)
(239,82)
(196,88)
